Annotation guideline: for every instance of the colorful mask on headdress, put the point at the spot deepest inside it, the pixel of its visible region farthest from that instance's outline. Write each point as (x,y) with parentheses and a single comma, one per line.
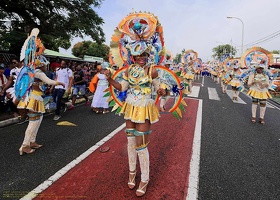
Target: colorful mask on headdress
(256,55)
(189,56)
(137,33)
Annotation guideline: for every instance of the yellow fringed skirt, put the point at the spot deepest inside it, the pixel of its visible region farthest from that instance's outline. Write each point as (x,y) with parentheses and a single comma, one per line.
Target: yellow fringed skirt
(189,76)
(214,73)
(235,83)
(259,95)
(138,114)
(35,102)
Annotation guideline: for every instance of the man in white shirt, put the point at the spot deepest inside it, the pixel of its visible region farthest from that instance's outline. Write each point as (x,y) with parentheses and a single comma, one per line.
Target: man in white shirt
(63,75)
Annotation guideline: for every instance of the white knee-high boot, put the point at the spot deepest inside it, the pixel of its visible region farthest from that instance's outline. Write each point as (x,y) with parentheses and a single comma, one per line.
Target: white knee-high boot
(144,161)
(190,86)
(34,134)
(225,87)
(254,110)
(32,125)
(162,102)
(132,155)
(262,112)
(237,94)
(233,93)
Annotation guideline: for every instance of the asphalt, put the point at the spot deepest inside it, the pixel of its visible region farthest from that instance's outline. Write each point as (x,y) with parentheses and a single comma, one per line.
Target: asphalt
(239,160)
(10,119)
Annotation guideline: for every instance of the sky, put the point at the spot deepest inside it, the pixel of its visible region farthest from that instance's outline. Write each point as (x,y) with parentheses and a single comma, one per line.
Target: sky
(200,25)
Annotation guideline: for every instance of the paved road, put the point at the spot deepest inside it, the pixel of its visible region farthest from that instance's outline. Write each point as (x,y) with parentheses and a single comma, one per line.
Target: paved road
(239,160)
(62,144)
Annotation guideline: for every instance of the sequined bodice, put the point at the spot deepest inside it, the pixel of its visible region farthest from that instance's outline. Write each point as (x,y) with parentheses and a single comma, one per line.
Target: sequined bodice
(260,77)
(236,74)
(139,81)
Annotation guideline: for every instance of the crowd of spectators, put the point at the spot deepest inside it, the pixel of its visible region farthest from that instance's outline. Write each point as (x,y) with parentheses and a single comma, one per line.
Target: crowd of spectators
(88,70)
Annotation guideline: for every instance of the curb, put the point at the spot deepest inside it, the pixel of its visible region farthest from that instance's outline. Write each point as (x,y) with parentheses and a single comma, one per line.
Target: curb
(14,120)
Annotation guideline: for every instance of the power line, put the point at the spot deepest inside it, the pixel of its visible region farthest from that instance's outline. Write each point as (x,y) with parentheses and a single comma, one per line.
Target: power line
(264,39)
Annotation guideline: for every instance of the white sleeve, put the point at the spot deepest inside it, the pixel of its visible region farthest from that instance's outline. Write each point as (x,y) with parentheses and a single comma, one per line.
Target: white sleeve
(70,73)
(267,80)
(250,80)
(42,76)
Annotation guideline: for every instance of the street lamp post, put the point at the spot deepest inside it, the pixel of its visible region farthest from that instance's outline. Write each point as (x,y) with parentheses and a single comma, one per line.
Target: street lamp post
(242,31)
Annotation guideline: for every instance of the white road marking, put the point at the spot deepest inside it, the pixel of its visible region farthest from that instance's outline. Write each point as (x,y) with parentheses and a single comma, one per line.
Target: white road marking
(213,95)
(229,93)
(195,160)
(195,92)
(43,186)
(202,84)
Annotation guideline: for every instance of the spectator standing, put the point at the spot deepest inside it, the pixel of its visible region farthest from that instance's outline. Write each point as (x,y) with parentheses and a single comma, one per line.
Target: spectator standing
(99,101)
(54,65)
(7,70)
(79,86)
(3,81)
(63,75)
(2,64)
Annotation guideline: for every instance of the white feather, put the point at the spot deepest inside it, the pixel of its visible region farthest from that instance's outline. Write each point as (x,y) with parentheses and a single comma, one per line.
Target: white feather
(34,32)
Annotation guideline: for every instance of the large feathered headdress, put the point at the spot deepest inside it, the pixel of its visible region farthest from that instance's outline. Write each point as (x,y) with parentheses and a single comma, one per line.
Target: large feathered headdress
(137,33)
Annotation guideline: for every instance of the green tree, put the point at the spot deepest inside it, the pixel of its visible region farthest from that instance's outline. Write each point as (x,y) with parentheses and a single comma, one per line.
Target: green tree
(221,50)
(91,49)
(275,52)
(178,56)
(59,21)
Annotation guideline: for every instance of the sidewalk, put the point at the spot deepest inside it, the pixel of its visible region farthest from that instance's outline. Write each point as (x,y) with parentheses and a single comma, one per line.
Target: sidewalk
(9,119)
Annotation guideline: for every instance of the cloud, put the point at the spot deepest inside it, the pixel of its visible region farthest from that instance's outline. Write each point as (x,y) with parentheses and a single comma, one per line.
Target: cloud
(201,24)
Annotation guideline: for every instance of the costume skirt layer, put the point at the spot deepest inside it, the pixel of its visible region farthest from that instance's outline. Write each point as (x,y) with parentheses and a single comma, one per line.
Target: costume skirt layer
(259,95)
(139,113)
(235,83)
(214,73)
(189,76)
(35,102)
(226,78)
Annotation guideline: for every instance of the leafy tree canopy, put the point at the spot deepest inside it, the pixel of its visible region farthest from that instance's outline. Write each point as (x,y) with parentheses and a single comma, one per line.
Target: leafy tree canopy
(178,56)
(58,20)
(91,49)
(275,51)
(221,50)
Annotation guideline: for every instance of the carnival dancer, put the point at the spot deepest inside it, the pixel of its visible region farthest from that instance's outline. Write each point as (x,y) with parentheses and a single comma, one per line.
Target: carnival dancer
(197,72)
(225,79)
(138,45)
(35,106)
(138,83)
(188,75)
(214,73)
(258,83)
(235,83)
